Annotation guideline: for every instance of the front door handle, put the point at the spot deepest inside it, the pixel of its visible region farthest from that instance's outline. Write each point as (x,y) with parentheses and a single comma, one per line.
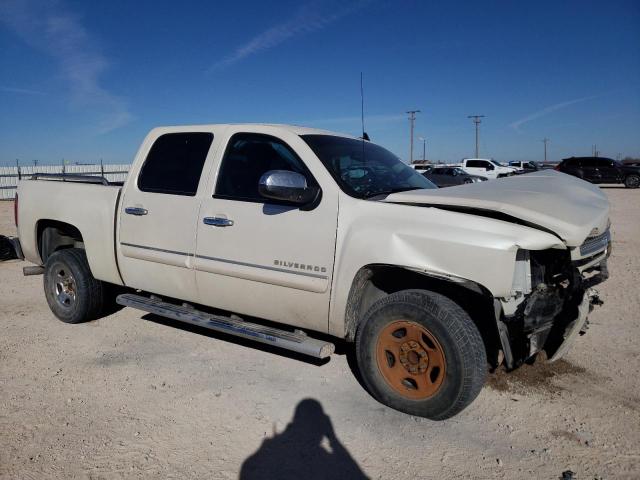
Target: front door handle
(136,211)
(217,221)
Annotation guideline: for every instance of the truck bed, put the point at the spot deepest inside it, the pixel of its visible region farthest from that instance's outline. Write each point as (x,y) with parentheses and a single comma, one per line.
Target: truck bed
(89,207)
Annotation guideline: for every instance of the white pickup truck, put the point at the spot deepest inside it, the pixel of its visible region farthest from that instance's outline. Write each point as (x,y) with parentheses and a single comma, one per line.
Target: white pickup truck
(273,232)
(484,167)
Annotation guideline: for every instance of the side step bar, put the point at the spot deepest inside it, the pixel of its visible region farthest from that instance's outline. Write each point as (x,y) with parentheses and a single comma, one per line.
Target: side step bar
(295,341)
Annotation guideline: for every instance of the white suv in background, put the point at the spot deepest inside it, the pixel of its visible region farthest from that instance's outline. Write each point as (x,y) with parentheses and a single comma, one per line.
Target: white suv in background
(484,167)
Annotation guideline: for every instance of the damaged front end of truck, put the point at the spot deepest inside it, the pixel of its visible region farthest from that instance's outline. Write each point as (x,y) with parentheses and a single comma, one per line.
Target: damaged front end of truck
(553,294)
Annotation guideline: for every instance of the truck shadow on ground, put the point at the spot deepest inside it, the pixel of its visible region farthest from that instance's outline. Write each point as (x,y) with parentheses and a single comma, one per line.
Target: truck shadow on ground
(308,448)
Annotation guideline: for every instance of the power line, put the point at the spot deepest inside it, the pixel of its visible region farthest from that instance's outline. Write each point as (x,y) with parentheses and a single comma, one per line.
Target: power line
(412,121)
(476,120)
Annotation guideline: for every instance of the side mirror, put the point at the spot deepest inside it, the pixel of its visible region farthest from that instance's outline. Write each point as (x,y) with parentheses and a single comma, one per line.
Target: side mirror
(286,186)
(489,167)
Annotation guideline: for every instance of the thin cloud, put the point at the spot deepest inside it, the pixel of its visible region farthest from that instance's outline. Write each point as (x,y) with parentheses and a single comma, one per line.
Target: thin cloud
(308,19)
(546,111)
(21,91)
(47,27)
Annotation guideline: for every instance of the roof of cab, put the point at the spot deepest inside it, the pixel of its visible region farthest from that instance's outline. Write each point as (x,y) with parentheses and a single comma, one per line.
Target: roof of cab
(296,129)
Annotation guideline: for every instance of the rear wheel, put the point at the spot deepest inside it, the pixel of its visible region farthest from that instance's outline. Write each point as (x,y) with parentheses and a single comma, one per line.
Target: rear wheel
(73,294)
(632,181)
(419,352)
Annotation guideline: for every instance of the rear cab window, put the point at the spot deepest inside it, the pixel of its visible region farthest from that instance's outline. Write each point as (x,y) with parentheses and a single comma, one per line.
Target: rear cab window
(174,163)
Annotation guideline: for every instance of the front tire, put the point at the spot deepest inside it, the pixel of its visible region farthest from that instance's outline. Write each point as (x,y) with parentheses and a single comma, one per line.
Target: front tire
(73,294)
(632,181)
(420,353)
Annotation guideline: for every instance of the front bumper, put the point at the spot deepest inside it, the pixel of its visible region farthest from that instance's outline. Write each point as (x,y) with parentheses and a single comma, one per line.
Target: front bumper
(552,316)
(576,327)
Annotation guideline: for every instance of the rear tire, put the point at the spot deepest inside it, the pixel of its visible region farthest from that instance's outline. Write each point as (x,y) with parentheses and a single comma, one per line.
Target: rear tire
(73,294)
(632,181)
(420,353)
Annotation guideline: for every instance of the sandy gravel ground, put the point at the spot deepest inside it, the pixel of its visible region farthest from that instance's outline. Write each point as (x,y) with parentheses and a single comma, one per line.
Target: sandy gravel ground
(134,397)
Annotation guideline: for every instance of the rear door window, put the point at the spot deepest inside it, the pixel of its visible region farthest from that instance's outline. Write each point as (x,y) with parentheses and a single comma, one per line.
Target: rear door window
(174,164)
(591,162)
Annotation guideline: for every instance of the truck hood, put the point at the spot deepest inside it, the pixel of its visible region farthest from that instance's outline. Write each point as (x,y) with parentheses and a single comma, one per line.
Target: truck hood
(567,206)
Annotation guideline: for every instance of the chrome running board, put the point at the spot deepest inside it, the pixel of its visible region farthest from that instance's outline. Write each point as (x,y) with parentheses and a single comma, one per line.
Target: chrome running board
(295,341)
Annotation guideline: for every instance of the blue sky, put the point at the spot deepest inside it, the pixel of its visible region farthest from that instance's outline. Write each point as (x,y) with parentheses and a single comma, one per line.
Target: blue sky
(86,80)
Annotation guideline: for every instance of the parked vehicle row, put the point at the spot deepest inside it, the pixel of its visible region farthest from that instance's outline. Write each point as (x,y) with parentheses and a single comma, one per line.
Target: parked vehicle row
(597,170)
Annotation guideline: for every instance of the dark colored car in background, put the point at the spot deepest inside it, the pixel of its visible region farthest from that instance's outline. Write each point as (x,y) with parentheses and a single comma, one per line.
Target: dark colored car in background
(450,176)
(601,170)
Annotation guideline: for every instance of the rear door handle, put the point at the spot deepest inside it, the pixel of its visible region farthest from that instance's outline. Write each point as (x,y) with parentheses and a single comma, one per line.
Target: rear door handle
(136,211)
(217,221)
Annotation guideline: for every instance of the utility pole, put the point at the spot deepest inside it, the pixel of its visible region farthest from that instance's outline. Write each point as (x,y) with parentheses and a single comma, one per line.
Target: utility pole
(424,148)
(476,120)
(412,121)
(545,140)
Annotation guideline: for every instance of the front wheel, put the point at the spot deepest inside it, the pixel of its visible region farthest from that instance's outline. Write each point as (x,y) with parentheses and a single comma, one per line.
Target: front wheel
(73,294)
(632,181)
(419,352)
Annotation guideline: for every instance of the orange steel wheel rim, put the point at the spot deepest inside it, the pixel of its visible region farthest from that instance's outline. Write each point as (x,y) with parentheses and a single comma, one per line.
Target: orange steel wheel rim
(410,359)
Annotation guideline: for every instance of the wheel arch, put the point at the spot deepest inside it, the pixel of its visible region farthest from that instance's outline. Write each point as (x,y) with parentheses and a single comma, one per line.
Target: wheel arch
(54,235)
(375,281)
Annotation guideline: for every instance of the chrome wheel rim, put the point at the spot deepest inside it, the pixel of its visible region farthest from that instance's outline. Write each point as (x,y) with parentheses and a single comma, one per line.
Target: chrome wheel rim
(64,287)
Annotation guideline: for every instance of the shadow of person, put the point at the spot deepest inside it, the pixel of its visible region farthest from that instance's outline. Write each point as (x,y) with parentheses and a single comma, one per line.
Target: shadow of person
(301,452)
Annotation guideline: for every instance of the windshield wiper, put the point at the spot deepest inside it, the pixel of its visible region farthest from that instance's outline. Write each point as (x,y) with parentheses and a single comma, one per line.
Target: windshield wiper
(389,192)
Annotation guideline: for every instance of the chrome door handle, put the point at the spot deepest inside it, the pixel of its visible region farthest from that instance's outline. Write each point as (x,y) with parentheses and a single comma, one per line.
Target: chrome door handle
(217,221)
(136,211)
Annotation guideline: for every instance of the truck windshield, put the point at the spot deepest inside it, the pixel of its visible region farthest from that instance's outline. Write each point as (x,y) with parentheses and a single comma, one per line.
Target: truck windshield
(363,169)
